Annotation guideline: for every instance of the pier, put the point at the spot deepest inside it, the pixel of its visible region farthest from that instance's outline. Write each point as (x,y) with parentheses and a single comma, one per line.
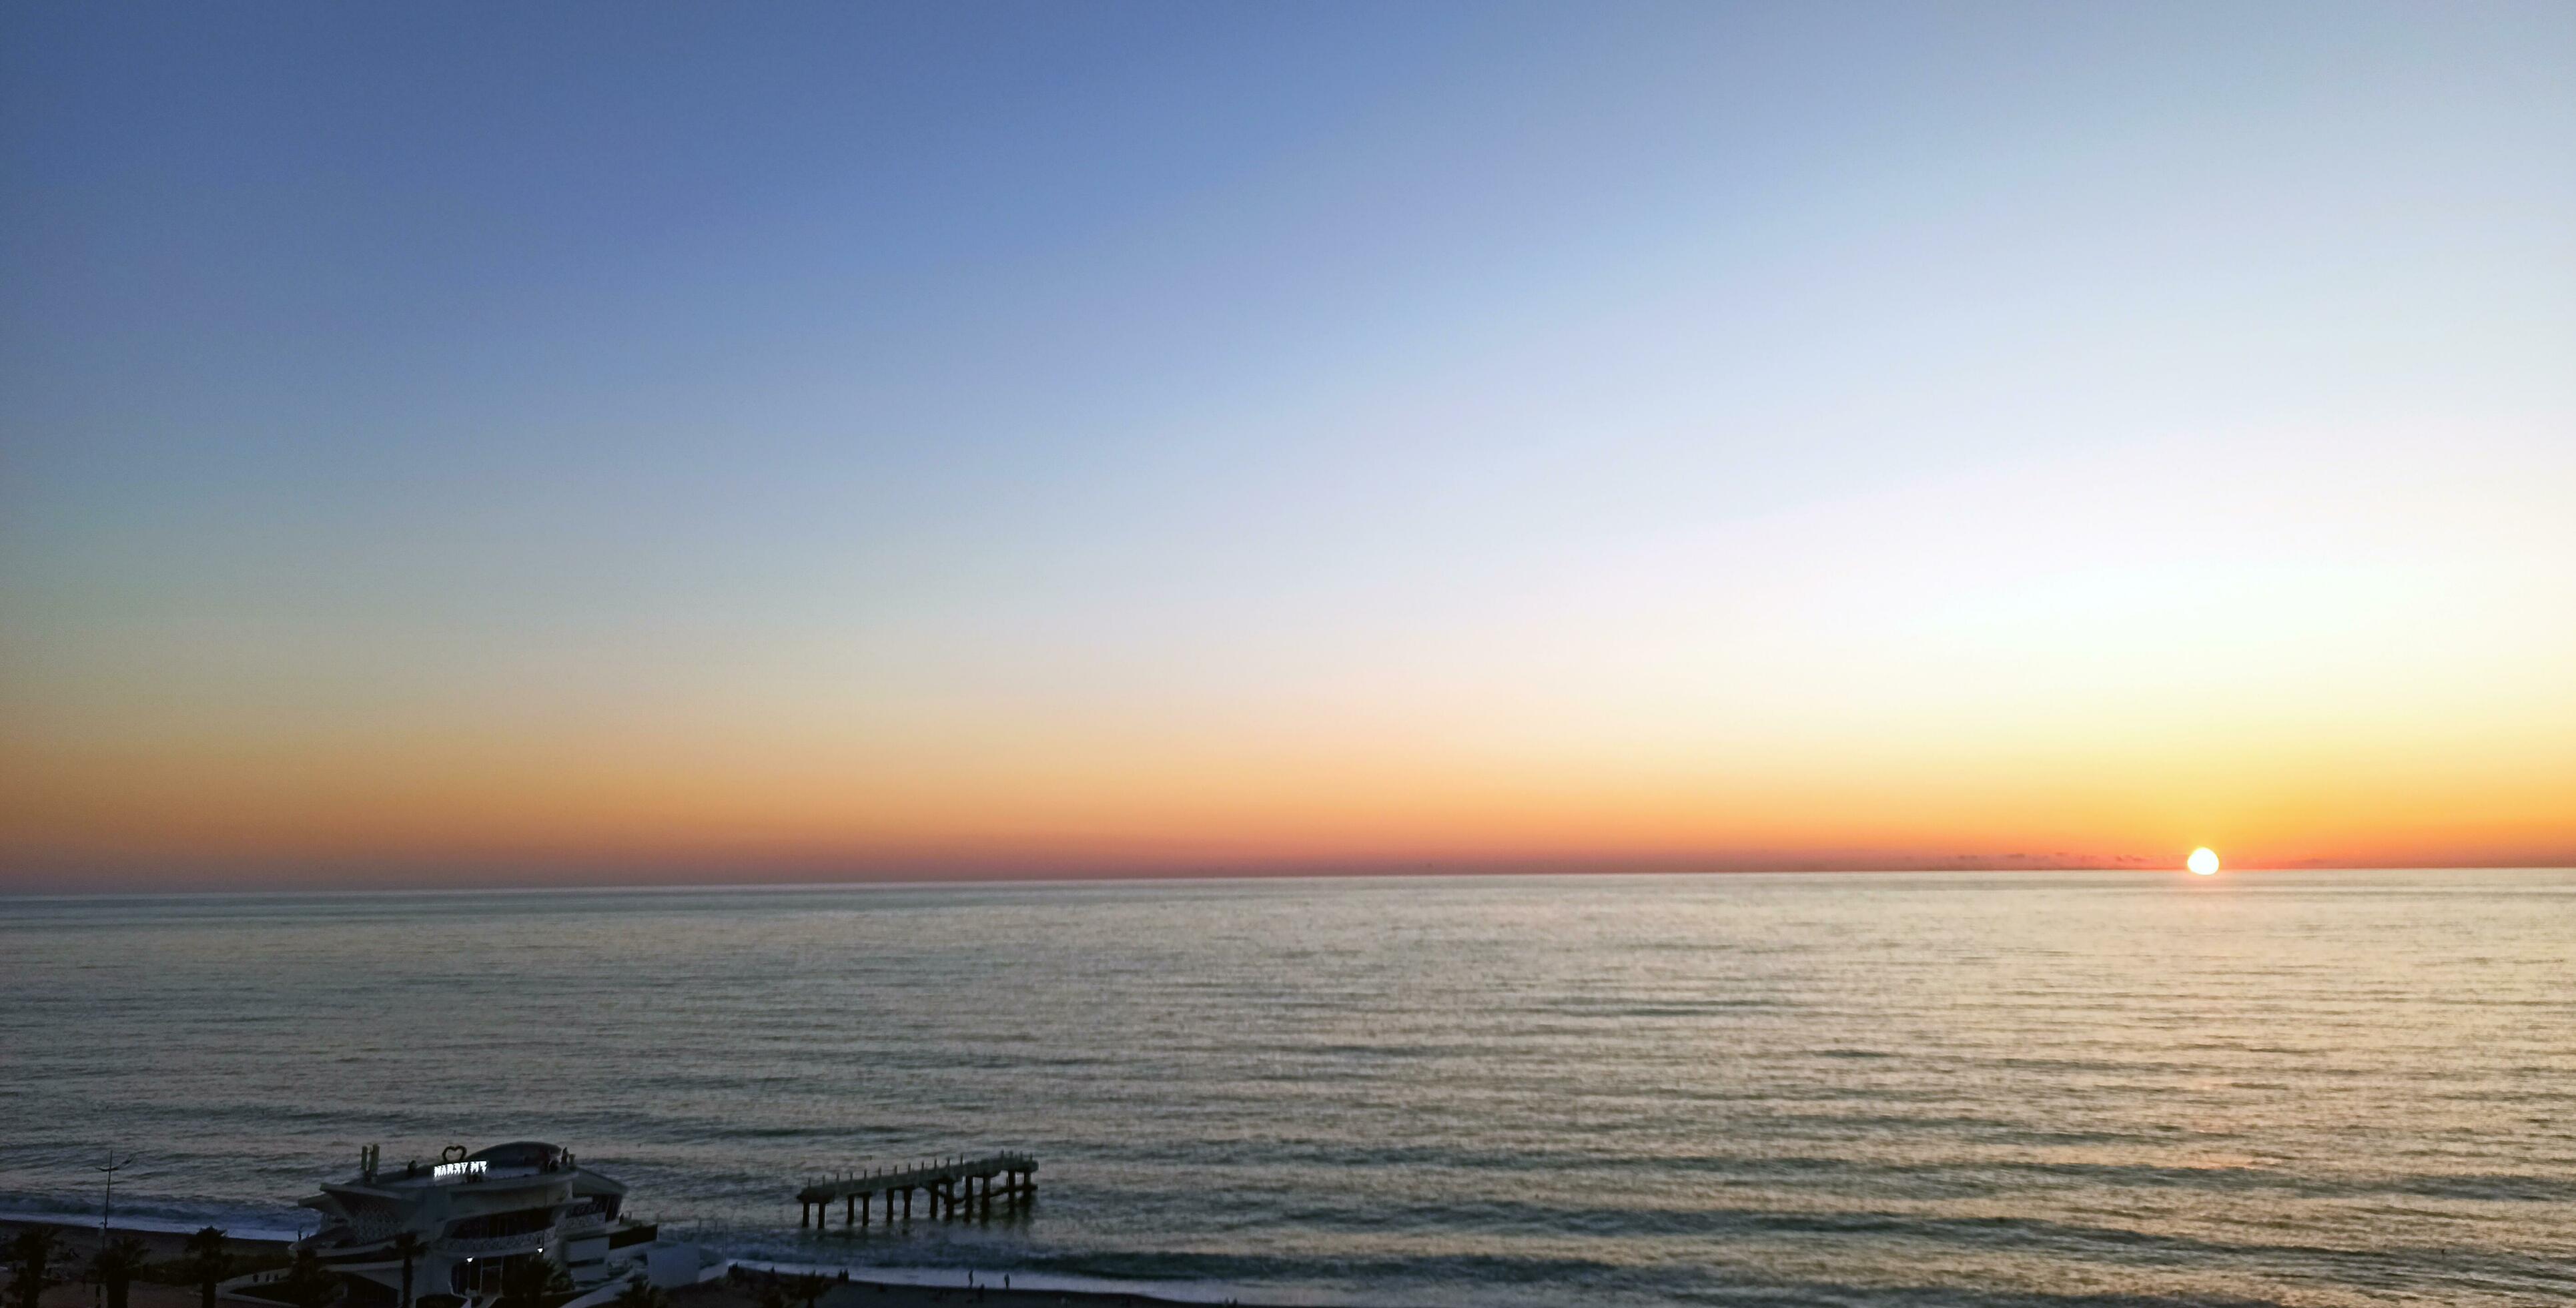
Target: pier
(952,1187)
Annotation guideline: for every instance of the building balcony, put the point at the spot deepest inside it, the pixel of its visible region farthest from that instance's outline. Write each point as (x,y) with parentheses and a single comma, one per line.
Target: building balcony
(494,1246)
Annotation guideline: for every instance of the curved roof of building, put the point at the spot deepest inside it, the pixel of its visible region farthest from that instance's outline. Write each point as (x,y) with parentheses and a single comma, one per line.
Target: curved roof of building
(517,1153)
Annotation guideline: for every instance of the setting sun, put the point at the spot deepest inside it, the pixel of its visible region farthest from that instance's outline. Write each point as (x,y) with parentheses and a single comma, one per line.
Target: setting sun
(2203,861)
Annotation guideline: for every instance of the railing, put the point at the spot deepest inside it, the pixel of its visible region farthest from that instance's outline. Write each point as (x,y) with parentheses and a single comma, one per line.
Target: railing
(873,1179)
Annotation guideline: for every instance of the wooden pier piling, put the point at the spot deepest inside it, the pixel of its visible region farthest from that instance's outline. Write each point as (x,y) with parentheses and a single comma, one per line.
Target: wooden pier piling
(950,1183)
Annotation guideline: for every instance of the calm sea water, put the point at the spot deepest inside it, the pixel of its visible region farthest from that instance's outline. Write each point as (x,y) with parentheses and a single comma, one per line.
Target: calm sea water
(2024,1089)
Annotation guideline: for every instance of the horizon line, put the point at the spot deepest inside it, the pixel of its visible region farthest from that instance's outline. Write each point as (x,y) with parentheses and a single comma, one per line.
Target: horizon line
(1022,878)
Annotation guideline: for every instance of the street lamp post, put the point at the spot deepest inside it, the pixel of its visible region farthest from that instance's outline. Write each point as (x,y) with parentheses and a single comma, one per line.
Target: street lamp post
(113,1166)
(106,1202)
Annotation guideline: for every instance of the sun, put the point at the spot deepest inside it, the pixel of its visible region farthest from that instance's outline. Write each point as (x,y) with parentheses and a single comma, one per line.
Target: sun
(2203,861)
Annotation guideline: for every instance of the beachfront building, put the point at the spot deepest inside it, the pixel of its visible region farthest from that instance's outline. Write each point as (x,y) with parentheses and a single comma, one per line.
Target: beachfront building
(476,1215)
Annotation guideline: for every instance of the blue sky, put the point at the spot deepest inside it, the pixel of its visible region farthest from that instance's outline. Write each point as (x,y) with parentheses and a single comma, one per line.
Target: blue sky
(370,370)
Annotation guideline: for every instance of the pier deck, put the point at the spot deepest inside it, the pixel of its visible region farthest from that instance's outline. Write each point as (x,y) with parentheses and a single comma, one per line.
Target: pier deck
(951,1184)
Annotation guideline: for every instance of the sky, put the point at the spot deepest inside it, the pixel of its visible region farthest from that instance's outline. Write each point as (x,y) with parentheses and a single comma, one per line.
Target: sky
(494,444)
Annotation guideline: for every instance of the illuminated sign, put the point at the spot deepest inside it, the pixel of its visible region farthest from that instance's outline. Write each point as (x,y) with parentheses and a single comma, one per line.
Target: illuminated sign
(448,1171)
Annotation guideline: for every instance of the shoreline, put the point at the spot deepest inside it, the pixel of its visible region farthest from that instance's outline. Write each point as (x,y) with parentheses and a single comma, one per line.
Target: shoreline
(951,1285)
(166,1238)
(79,1240)
(738,1286)
(740,1290)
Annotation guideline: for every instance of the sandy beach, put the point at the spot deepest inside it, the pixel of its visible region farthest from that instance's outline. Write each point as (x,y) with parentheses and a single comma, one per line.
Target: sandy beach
(877,1294)
(740,1290)
(80,1242)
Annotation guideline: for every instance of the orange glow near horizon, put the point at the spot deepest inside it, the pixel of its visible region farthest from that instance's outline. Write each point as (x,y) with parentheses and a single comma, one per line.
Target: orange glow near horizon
(1958,699)
(584,805)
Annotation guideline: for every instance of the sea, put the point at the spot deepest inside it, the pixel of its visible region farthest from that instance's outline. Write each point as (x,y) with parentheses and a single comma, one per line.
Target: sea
(2009,1088)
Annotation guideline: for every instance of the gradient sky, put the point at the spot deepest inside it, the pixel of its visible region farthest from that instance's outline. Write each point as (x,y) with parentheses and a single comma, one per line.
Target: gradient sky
(629,442)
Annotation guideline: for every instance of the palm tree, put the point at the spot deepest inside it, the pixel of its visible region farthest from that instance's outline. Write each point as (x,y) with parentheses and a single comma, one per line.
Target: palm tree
(532,1282)
(207,1262)
(641,1293)
(29,1256)
(115,1264)
(308,1284)
(407,1247)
